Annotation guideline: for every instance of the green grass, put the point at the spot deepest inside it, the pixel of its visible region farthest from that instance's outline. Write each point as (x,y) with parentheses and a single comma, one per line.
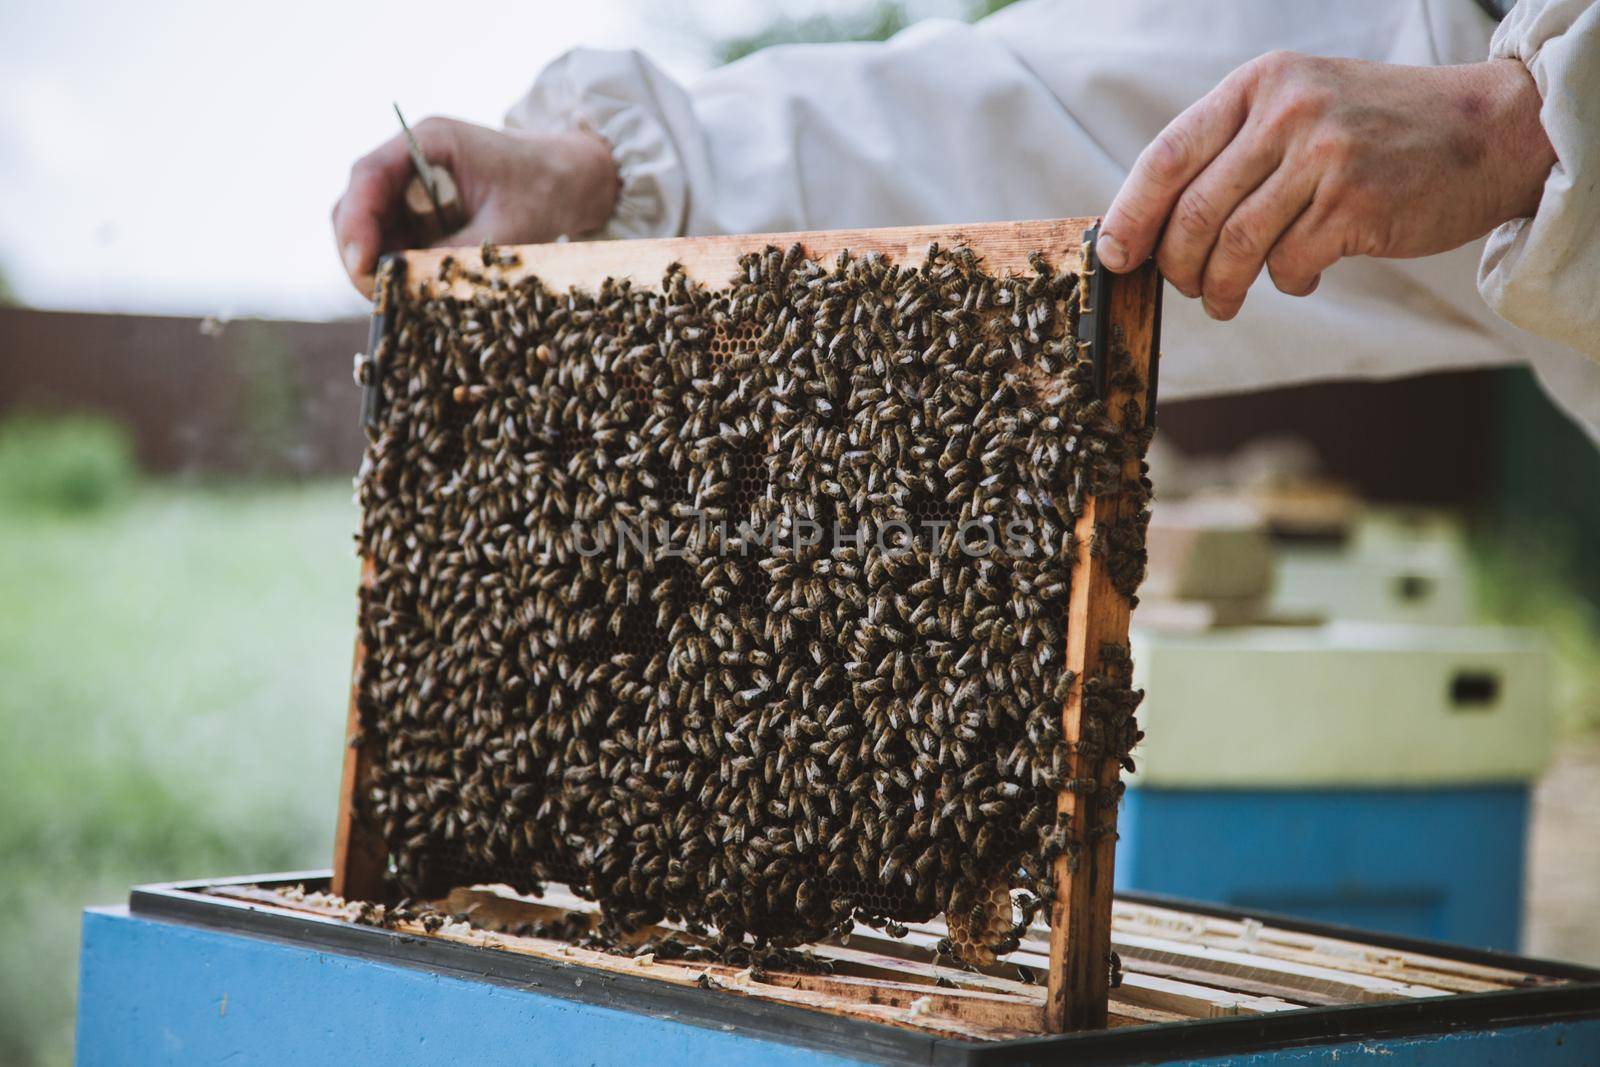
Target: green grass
(173,675)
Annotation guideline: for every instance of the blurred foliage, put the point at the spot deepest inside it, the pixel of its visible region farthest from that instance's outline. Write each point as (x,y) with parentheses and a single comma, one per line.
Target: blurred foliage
(63,463)
(175,674)
(876,21)
(1547,476)
(1525,579)
(1538,564)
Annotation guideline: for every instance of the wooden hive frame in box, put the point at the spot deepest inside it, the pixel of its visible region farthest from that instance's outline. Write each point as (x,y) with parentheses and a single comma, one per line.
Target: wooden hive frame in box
(1125,308)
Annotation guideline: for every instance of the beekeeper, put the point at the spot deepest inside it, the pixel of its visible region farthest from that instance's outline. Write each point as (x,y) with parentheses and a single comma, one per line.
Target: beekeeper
(1247,145)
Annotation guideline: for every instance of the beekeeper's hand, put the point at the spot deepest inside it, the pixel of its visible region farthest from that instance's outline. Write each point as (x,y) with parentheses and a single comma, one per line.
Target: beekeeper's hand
(515,187)
(1294,162)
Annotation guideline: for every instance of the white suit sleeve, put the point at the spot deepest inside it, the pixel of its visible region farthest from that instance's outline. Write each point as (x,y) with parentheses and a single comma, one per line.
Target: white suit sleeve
(933,125)
(1543,273)
(640,112)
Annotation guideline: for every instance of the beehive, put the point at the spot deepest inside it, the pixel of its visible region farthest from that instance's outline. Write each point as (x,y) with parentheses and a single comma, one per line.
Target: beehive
(1198,982)
(743,582)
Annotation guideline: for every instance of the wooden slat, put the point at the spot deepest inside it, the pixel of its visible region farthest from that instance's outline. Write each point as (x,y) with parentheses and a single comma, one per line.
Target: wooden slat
(925,1016)
(726,978)
(988,1009)
(1205,992)
(1080,917)
(909,963)
(1000,1007)
(1221,966)
(495,909)
(1209,991)
(1185,972)
(1004,246)
(1197,1001)
(1034,955)
(869,953)
(1456,975)
(1365,964)
(916,968)
(1215,984)
(1123,1014)
(866,963)
(1351,986)
(1201,990)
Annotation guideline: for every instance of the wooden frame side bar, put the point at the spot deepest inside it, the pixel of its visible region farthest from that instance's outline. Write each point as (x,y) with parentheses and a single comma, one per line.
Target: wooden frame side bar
(1080,920)
(360,858)
(360,855)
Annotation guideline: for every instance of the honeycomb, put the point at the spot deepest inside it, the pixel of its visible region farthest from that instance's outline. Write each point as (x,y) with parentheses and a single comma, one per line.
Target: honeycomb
(738,606)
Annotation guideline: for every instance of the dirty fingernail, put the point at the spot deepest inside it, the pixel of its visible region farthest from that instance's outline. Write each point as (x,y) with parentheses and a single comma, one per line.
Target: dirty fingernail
(1111,252)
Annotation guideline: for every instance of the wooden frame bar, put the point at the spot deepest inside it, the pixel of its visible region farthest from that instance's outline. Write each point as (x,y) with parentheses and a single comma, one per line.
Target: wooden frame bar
(1080,941)
(1080,920)
(360,859)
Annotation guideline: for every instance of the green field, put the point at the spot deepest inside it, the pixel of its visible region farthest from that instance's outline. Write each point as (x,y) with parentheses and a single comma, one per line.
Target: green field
(173,676)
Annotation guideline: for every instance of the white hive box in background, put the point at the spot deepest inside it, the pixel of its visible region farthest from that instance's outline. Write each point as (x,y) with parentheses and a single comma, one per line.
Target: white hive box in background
(1210,564)
(1397,565)
(1342,704)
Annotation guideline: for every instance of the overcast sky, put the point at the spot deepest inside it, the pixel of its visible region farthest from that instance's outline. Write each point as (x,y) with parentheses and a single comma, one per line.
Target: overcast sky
(183,156)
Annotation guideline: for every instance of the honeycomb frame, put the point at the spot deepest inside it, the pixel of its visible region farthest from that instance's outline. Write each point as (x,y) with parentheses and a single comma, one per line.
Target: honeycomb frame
(1089,840)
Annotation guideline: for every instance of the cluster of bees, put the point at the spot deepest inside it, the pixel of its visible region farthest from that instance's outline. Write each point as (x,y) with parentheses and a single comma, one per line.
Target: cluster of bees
(599,651)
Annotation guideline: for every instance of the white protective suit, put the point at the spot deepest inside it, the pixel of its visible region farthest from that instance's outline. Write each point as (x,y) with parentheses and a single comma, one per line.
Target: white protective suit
(1039,111)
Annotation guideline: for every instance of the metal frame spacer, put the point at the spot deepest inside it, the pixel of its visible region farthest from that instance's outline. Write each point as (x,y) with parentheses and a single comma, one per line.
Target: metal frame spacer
(390,276)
